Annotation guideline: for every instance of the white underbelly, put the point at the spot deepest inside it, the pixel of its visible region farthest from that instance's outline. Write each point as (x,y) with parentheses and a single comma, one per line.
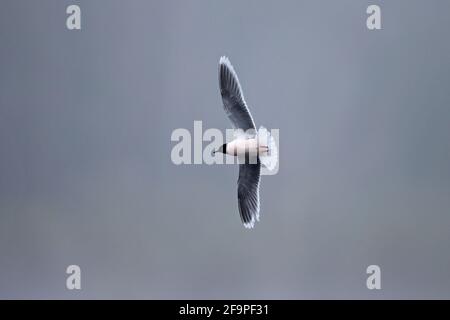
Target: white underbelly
(240,147)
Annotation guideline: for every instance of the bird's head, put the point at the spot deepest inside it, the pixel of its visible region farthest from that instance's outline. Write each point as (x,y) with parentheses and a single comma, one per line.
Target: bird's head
(222,149)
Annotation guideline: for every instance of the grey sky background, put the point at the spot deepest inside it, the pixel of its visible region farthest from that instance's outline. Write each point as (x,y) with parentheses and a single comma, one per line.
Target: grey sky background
(85,170)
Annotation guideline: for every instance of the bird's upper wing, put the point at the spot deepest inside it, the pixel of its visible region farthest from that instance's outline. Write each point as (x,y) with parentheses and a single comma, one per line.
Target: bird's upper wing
(233,98)
(248,193)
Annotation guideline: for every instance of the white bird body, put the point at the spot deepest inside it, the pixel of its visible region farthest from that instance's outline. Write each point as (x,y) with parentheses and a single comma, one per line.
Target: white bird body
(241,147)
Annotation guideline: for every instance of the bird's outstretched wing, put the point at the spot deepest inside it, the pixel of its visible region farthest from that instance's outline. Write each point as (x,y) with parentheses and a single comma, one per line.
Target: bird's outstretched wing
(248,193)
(233,98)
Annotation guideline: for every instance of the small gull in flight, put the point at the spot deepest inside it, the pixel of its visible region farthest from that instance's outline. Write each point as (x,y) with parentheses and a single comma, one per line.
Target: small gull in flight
(252,147)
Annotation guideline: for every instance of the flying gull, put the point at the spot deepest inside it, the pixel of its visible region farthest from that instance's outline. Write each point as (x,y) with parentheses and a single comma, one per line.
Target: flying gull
(254,148)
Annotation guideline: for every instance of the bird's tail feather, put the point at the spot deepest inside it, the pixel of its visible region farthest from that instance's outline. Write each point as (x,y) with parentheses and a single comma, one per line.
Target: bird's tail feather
(268,159)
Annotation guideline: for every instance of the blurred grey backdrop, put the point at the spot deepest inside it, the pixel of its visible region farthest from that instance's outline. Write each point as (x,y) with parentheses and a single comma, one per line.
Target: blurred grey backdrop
(85,170)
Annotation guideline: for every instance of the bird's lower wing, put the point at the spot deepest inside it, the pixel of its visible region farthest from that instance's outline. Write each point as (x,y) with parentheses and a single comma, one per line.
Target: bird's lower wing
(248,193)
